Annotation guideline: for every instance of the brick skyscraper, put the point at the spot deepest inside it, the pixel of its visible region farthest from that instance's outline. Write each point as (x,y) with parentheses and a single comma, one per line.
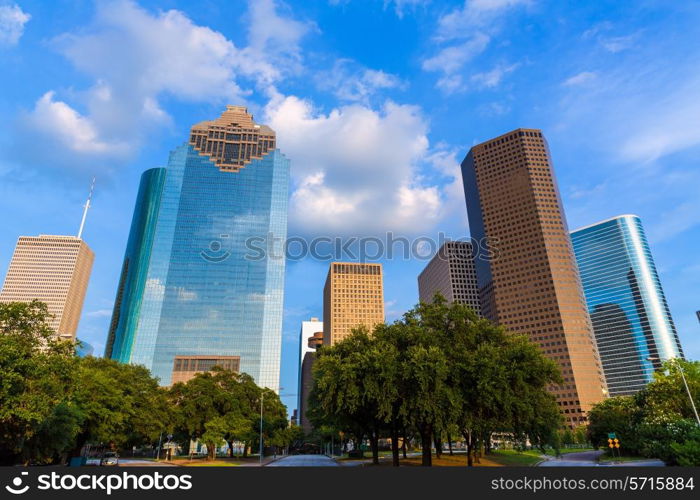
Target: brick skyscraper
(531,284)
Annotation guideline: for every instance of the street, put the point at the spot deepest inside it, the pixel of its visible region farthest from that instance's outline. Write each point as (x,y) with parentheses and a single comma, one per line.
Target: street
(304,461)
(588,459)
(134,462)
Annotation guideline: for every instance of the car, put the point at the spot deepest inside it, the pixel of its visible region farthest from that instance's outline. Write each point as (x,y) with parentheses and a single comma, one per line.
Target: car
(109,458)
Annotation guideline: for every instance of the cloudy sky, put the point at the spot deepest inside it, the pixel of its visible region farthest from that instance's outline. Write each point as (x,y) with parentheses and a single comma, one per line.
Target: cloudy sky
(375,102)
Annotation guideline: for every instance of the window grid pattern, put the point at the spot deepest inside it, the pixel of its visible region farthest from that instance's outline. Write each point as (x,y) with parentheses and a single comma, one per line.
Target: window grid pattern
(54,270)
(353,296)
(531,284)
(452,273)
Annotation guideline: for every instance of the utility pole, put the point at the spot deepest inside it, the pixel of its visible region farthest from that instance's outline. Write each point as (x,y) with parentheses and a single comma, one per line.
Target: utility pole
(262,398)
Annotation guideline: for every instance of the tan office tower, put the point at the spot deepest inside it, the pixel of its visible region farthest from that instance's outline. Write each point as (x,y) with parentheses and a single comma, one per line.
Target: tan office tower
(530,283)
(353,296)
(54,270)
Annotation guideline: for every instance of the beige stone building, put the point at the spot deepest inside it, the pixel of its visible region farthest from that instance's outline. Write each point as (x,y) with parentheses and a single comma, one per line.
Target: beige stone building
(353,296)
(186,367)
(54,270)
(529,281)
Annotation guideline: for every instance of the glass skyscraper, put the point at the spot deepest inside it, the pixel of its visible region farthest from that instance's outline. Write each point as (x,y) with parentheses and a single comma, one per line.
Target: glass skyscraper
(203,273)
(631,319)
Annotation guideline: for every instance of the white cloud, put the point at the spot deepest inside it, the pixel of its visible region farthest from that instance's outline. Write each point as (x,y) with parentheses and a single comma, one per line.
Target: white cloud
(612,44)
(581,78)
(676,221)
(492,78)
(465,33)
(401,6)
(663,126)
(453,58)
(350,81)
(99,313)
(474,14)
(137,57)
(12,21)
(274,41)
(356,170)
(618,43)
(70,129)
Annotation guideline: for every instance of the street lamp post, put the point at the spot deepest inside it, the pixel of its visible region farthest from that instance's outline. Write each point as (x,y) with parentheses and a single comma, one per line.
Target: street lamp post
(685,383)
(262,398)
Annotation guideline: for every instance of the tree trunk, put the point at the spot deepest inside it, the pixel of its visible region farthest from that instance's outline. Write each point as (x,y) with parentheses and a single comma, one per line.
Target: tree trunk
(470,448)
(395,445)
(245,449)
(449,442)
(438,445)
(426,437)
(403,444)
(230,449)
(374,443)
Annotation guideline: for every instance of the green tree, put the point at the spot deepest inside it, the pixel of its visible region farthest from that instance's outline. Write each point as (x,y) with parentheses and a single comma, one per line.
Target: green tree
(221,405)
(439,369)
(38,420)
(120,405)
(620,415)
(342,395)
(658,421)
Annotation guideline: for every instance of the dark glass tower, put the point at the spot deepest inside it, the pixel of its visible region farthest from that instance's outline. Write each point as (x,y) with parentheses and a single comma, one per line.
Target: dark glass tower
(193,284)
(631,319)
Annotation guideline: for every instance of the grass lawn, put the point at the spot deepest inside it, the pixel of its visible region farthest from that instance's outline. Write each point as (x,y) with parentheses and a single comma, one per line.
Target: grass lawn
(495,459)
(219,462)
(515,458)
(211,463)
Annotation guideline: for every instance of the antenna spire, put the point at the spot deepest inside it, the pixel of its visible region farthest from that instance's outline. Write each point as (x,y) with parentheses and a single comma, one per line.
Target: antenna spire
(87,206)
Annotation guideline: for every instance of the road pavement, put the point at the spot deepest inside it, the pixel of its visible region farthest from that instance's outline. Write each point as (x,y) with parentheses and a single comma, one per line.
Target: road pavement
(304,461)
(588,459)
(134,462)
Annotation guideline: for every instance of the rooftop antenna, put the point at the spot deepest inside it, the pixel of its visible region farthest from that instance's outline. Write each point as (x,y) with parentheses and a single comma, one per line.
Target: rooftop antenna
(87,206)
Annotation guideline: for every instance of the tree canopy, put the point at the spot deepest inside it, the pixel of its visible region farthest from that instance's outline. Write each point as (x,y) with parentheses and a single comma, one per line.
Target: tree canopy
(53,403)
(438,369)
(657,421)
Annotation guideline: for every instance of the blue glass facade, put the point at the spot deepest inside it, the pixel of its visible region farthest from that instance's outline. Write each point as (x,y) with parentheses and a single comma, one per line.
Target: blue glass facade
(190,284)
(630,316)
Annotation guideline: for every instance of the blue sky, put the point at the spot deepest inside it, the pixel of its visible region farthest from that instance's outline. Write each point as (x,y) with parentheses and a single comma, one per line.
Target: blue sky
(375,102)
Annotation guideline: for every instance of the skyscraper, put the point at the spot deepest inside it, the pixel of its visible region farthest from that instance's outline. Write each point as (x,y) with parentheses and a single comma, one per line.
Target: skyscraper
(308,329)
(353,296)
(203,272)
(630,316)
(306,380)
(54,270)
(452,273)
(530,283)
